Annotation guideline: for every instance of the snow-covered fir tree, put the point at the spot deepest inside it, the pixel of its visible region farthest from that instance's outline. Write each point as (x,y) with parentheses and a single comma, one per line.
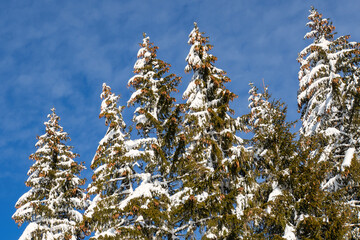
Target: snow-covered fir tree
(51,206)
(187,174)
(156,116)
(328,99)
(156,120)
(273,151)
(289,202)
(114,178)
(319,78)
(318,214)
(212,161)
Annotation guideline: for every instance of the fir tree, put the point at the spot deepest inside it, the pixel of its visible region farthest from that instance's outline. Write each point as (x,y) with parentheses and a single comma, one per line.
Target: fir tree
(318,77)
(328,99)
(153,86)
(318,214)
(289,202)
(213,154)
(156,117)
(51,205)
(114,178)
(156,120)
(273,151)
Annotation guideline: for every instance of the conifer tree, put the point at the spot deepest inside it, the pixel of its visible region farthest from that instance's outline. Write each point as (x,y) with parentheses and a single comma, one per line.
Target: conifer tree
(156,120)
(114,178)
(327,76)
(328,99)
(273,151)
(213,155)
(318,214)
(156,117)
(319,78)
(51,205)
(289,202)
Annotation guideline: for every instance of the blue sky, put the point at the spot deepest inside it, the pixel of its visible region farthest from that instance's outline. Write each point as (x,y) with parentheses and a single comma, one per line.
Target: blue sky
(58,54)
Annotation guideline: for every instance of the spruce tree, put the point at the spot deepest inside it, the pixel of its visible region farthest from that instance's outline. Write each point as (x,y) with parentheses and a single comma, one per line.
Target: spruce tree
(156,116)
(328,99)
(153,87)
(156,120)
(289,202)
(319,78)
(114,178)
(318,214)
(273,151)
(213,155)
(51,205)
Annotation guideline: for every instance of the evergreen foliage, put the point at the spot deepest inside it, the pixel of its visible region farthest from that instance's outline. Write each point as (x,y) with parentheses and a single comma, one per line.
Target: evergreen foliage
(51,205)
(273,150)
(114,176)
(213,155)
(156,119)
(289,201)
(318,214)
(328,99)
(188,175)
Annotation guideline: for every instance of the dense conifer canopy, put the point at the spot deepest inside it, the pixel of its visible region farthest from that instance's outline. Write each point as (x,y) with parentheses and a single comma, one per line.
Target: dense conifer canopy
(182,171)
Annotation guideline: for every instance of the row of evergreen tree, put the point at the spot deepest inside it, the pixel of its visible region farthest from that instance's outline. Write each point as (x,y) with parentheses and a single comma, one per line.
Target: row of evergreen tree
(189,174)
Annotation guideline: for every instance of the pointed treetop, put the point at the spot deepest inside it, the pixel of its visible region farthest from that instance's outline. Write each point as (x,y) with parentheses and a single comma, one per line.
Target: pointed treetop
(109,108)
(320,27)
(106,91)
(53,115)
(257,98)
(53,123)
(198,52)
(146,41)
(196,37)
